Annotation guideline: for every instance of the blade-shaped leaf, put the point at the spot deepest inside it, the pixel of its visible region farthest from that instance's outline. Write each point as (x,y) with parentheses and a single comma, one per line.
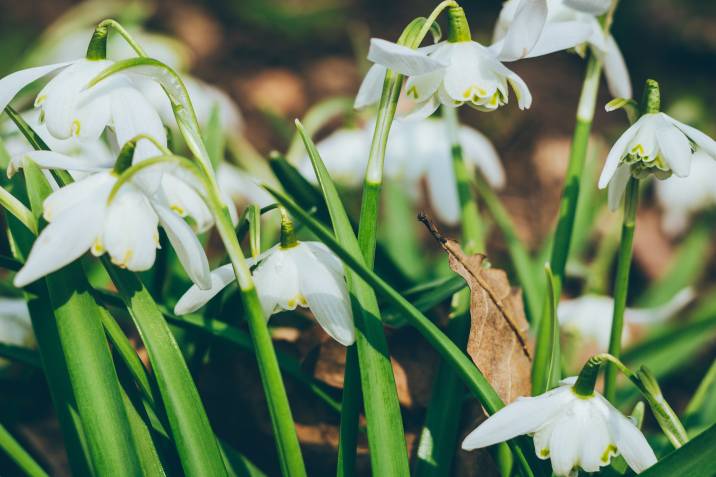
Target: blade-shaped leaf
(385,424)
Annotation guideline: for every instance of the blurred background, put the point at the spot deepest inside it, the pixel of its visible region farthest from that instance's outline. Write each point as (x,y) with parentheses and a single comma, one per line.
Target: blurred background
(277,58)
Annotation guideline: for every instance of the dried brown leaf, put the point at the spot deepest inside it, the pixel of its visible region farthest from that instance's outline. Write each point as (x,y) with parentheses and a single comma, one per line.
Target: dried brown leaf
(498,332)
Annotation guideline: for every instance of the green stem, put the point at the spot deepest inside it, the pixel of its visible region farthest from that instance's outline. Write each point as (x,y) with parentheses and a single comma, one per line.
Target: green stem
(97,49)
(350,415)
(18,209)
(19,455)
(621,286)
(577,156)
(289,449)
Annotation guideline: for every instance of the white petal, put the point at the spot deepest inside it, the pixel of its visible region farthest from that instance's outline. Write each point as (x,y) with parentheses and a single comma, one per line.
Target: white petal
(326,294)
(596,448)
(324,255)
(65,99)
(195,297)
(422,87)
(675,149)
(371,87)
(186,201)
(617,186)
(186,245)
(276,279)
(478,150)
(630,442)
(442,190)
(617,152)
(470,73)
(663,312)
(420,110)
(559,36)
(62,242)
(524,97)
(130,233)
(522,416)
(53,160)
(525,30)
(566,440)
(13,83)
(615,70)
(594,7)
(402,59)
(132,115)
(699,138)
(93,189)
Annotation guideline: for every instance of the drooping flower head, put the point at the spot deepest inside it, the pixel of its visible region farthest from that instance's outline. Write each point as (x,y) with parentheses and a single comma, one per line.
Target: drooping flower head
(655,144)
(290,274)
(463,71)
(572,430)
(81,217)
(572,24)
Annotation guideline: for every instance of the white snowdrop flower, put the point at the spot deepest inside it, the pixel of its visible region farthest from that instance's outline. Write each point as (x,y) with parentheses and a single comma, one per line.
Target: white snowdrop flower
(80,219)
(464,71)
(656,143)
(69,108)
(306,274)
(682,197)
(570,24)
(239,187)
(573,431)
(416,151)
(590,316)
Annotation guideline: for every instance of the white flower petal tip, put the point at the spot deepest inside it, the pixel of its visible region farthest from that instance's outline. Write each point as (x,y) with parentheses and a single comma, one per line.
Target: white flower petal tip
(656,144)
(524,31)
(195,297)
(402,59)
(573,431)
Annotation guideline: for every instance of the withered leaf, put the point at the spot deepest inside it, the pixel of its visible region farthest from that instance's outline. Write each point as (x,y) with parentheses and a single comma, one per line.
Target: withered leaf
(498,331)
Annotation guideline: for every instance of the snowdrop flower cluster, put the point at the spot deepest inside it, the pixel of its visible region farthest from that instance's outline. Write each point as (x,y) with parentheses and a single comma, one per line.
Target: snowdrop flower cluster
(682,197)
(463,71)
(303,274)
(571,430)
(655,144)
(79,215)
(570,24)
(416,150)
(590,316)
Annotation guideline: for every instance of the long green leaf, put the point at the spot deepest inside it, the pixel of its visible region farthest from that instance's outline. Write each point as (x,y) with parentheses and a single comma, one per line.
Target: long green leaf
(470,375)
(385,425)
(52,358)
(196,443)
(695,459)
(19,455)
(92,375)
(545,367)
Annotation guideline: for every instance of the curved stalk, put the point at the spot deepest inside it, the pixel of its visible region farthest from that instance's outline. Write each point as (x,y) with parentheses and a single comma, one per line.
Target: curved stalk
(621,285)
